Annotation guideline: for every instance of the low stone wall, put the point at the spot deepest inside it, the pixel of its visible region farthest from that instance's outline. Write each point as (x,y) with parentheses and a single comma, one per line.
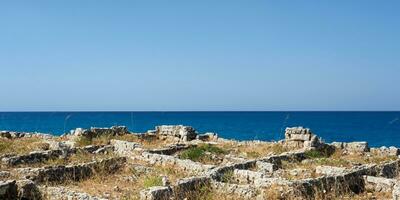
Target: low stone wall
(379,184)
(125,148)
(33,157)
(207,137)
(247,176)
(274,162)
(157,193)
(352,147)
(335,185)
(170,149)
(60,174)
(186,165)
(186,188)
(265,167)
(247,192)
(218,172)
(96,132)
(297,156)
(57,193)
(329,170)
(42,156)
(322,187)
(387,170)
(16,135)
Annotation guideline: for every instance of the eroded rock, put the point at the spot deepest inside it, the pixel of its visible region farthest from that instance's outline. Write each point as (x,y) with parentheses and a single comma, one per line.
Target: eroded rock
(156,193)
(299,137)
(329,170)
(123,148)
(379,184)
(27,189)
(8,190)
(180,132)
(352,147)
(57,193)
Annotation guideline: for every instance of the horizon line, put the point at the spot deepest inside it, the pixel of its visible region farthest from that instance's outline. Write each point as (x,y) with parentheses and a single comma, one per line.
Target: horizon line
(93,111)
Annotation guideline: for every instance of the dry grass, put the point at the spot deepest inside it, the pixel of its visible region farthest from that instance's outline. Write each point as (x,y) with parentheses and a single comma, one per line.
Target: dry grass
(254,150)
(129,181)
(146,142)
(77,158)
(303,173)
(275,192)
(362,158)
(339,159)
(21,145)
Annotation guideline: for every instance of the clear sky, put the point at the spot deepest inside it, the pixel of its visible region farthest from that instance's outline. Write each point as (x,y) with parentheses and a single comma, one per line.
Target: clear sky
(199,55)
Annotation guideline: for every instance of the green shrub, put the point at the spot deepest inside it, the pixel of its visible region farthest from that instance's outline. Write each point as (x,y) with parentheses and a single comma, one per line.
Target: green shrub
(194,154)
(152,181)
(315,154)
(199,153)
(212,149)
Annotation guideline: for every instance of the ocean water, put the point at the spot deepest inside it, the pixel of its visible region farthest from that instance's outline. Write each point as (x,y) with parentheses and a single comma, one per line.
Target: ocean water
(377,128)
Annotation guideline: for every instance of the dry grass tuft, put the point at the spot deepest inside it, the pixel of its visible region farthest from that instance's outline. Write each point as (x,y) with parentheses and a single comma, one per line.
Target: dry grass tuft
(21,145)
(254,150)
(127,182)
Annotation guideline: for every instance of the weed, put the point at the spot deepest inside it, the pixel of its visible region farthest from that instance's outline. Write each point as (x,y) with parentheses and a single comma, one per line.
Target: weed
(194,154)
(152,181)
(212,149)
(314,154)
(20,145)
(253,154)
(199,153)
(227,176)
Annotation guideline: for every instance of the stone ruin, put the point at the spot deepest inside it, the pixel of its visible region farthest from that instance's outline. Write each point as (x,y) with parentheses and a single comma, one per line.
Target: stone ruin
(279,174)
(182,133)
(299,137)
(95,132)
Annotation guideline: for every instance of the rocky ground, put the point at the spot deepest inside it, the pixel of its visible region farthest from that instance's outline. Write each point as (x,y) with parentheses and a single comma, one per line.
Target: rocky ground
(176,162)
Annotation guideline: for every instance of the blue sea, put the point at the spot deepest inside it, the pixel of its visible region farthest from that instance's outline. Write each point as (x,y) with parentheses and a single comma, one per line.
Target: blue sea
(377,128)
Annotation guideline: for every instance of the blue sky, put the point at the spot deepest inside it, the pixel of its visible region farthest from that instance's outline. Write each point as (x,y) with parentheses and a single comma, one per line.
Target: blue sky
(199,55)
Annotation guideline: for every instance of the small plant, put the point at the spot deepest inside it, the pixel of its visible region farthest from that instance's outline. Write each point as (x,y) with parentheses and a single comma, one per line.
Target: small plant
(212,149)
(253,154)
(194,154)
(199,153)
(152,181)
(83,141)
(227,176)
(201,192)
(314,154)
(19,146)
